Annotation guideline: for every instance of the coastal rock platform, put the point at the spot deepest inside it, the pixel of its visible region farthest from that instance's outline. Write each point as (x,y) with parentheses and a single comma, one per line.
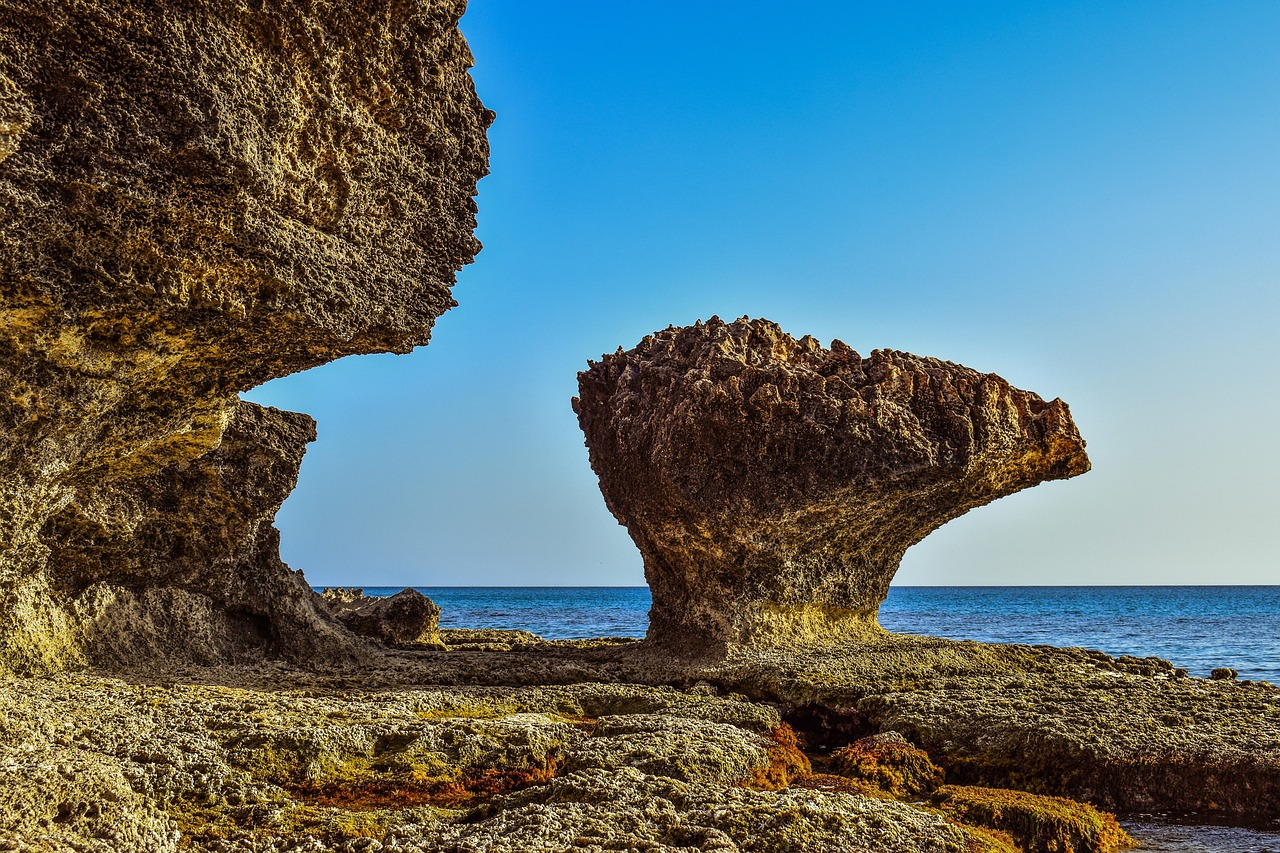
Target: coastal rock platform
(556,744)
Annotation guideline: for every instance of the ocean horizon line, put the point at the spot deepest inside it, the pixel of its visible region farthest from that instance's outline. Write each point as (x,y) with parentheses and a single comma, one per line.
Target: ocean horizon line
(367,585)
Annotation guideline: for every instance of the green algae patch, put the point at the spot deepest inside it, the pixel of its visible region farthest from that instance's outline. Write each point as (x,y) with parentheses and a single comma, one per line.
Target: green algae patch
(449,761)
(197,826)
(888,762)
(984,840)
(1036,823)
(469,712)
(378,792)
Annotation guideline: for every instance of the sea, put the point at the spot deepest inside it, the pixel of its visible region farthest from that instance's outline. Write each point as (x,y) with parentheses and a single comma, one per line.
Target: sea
(1197,627)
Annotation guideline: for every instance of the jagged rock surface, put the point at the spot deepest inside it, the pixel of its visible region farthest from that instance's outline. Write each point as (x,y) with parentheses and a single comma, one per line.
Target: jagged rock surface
(397,620)
(195,198)
(773,485)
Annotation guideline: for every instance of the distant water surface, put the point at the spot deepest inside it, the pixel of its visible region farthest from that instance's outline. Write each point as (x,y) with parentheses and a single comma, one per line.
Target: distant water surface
(1158,836)
(1197,627)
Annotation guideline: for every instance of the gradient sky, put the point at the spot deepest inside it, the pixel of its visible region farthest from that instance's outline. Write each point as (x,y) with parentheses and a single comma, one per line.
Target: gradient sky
(1081,197)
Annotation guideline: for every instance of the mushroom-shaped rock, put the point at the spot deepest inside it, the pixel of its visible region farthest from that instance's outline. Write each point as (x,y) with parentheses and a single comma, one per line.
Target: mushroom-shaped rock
(773,485)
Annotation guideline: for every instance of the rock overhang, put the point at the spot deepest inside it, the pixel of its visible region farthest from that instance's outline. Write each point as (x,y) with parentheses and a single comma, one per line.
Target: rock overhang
(195,199)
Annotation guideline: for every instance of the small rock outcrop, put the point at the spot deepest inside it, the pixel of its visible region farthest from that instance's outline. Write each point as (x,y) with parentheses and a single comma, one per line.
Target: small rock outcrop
(397,620)
(196,198)
(773,485)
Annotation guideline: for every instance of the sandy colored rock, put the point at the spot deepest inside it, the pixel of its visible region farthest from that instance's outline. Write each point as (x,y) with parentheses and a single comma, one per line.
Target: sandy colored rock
(185,564)
(690,750)
(773,485)
(629,810)
(396,620)
(195,199)
(228,768)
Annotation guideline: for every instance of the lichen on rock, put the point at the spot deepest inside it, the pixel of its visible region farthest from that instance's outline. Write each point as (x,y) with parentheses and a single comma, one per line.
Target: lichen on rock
(773,485)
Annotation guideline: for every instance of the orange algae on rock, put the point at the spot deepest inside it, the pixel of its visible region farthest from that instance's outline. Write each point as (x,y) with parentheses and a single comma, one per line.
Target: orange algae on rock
(1038,824)
(888,762)
(786,761)
(473,784)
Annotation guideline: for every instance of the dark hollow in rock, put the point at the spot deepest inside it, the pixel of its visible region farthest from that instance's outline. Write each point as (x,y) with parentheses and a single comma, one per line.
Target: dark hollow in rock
(397,620)
(196,198)
(773,485)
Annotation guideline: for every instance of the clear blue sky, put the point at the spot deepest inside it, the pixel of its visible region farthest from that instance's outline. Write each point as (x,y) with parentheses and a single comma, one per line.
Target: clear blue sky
(1081,197)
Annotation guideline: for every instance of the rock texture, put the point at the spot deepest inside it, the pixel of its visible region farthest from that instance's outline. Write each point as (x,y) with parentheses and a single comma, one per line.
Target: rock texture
(98,765)
(195,198)
(773,485)
(185,562)
(267,757)
(398,620)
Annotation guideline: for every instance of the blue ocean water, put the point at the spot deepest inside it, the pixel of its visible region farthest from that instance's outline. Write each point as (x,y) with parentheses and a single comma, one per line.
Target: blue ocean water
(1197,627)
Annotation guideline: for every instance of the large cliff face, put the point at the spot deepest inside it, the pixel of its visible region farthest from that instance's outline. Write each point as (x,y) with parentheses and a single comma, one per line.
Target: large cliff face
(196,197)
(773,485)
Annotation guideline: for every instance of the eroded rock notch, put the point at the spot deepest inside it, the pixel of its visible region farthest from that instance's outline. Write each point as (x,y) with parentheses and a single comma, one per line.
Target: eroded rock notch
(196,198)
(773,485)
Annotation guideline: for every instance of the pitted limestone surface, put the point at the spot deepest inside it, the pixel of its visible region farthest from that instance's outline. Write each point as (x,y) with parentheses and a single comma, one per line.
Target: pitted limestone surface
(773,485)
(196,198)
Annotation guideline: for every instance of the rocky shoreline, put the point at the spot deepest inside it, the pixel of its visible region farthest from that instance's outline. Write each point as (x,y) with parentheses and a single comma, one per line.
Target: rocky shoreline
(196,198)
(558,746)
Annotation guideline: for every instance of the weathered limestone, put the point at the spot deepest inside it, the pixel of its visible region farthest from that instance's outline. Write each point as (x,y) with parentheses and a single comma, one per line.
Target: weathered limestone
(185,563)
(401,619)
(196,198)
(773,485)
(91,764)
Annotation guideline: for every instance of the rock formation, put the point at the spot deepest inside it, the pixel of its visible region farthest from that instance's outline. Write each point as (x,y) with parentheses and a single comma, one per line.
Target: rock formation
(773,485)
(196,198)
(397,620)
(185,562)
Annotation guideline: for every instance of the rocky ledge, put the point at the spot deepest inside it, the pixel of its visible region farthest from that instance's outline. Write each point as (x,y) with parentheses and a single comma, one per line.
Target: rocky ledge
(773,485)
(114,765)
(909,744)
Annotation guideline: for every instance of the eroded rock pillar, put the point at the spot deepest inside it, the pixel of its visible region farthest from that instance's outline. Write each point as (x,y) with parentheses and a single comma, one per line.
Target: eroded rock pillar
(773,485)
